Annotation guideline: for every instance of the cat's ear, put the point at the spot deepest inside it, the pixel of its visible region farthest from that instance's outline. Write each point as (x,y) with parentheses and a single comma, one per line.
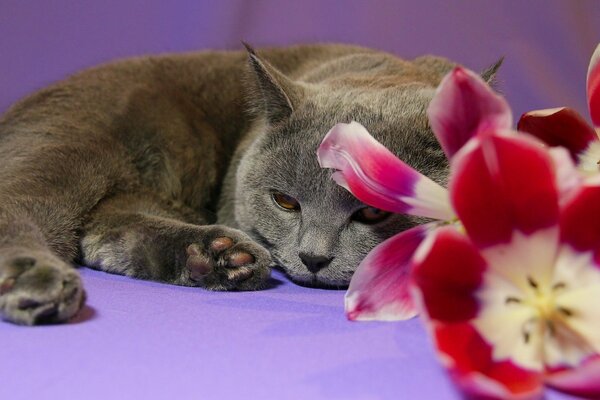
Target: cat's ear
(489,74)
(271,92)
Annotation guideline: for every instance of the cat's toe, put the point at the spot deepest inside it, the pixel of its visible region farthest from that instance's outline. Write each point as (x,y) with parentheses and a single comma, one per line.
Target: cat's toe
(198,264)
(221,244)
(247,265)
(240,259)
(39,290)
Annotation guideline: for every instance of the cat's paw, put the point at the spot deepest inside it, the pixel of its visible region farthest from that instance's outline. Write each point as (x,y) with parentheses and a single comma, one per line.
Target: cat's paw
(227,259)
(38,289)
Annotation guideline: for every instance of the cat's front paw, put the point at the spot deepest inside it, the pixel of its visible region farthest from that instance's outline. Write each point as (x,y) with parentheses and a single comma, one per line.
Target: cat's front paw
(38,289)
(227,259)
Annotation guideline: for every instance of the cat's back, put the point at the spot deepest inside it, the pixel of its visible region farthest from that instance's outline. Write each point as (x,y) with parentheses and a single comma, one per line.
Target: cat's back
(207,84)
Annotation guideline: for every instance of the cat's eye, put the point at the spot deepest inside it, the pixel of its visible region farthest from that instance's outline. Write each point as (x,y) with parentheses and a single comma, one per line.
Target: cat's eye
(370,215)
(285,201)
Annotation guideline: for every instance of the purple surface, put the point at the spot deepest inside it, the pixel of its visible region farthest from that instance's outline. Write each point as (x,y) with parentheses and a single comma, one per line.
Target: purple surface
(147,340)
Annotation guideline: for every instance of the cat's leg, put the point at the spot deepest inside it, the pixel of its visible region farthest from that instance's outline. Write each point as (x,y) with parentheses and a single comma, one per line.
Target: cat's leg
(36,285)
(145,237)
(45,189)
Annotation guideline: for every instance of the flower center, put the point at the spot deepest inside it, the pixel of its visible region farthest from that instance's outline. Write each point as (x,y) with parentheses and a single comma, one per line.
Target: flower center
(547,313)
(588,159)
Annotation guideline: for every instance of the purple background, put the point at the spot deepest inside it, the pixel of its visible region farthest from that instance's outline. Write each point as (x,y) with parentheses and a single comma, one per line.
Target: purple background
(547,43)
(144,339)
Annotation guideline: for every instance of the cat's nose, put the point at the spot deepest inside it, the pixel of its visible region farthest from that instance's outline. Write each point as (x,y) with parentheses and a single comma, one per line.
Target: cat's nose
(313,262)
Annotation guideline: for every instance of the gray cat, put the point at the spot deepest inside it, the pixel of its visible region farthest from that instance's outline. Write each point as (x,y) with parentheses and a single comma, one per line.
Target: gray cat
(200,170)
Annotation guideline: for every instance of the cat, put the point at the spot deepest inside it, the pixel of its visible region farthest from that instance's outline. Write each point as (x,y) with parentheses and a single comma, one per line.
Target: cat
(200,169)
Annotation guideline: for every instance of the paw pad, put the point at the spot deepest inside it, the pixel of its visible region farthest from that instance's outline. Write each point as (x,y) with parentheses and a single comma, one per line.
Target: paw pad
(197,263)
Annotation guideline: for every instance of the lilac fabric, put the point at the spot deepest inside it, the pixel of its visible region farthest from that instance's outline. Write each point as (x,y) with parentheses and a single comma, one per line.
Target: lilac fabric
(146,340)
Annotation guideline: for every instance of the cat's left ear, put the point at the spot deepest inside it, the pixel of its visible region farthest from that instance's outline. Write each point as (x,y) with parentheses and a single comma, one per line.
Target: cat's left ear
(271,91)
(489,74)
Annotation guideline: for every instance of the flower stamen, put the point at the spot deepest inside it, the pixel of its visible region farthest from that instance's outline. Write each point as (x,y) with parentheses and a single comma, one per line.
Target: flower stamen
(558,286)
(547,313)
(527,328)
(565,311)
(532,283)
(511,299)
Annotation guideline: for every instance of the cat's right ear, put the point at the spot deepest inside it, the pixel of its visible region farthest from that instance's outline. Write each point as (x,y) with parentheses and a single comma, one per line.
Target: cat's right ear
(270,91)
(489,74)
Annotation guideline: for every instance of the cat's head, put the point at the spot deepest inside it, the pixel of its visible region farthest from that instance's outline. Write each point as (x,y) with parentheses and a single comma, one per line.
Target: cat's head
(317,232)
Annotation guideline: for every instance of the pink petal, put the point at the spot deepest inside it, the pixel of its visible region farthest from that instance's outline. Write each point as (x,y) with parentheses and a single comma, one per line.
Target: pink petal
(581,381)
(593,87)
(447,271)
(471,365)
(580,220)
(379,289)
(377,177)
(559,127)
(503,183)
(463,106)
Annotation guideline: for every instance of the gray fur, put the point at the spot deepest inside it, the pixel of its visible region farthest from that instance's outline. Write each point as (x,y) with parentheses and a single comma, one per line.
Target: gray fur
(148,167)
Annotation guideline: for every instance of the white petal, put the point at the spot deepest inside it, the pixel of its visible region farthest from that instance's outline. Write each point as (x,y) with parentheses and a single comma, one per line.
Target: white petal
(430,200)
(525,256)
(502,324)
(581,295)
(589,158)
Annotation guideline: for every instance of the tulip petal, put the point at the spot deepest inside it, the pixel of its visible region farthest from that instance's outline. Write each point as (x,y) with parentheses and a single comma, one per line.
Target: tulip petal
(510,267)
(471,365)
(503,183)
(377,177)
(463,106)
(584,380)
(593,87)
(448,274)
(577,272)
(447,271)
(379,289)
(580,220)
(559,127)
(568,178)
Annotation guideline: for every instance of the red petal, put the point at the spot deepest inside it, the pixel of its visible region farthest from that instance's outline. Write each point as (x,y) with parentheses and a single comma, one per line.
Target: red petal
(379,289)
(559,127)
(470,363)
(463,106)
(448,270)
(593,87)
(580,220)
(501,184)
(377,177)
(581,381)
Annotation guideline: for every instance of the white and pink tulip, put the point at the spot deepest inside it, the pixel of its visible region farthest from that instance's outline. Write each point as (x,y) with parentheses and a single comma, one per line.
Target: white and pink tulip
(379,289)
(514,304)
(507,279)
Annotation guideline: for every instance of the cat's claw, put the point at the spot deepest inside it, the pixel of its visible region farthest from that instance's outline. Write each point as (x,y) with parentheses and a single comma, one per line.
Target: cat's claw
(227,259)
(39,289)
